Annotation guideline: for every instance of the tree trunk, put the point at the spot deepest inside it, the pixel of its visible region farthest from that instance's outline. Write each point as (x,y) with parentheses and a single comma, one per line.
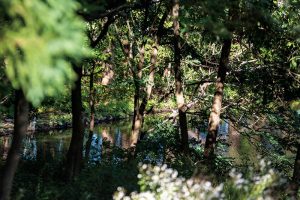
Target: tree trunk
(148,90)
(5,147)
(140,109)
(178,79)
(214,118)
(74,155)
(137,116)
(92,114)
(150,83)
(296,174)
(108,74)
(295,186)
(20,127)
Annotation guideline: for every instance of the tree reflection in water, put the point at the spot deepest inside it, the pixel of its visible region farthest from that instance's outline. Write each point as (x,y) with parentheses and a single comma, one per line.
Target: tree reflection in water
(54,145)
(95,149)
(5,147)
(118,137)
(29,148)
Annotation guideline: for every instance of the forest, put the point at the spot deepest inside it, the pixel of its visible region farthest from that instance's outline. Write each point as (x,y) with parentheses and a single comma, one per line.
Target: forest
(149,99)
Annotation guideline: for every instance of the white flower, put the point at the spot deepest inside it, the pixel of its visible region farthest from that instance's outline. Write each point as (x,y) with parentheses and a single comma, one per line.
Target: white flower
(174,175)
(164,167)
(155,178)
(144,167)
(166,185)
(207,185)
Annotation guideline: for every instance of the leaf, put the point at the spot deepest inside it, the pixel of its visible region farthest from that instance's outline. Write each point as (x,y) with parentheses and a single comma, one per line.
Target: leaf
(39,41)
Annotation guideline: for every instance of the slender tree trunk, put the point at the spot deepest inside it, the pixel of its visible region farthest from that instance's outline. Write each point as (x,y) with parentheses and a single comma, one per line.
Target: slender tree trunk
(295,186)
(140,110)
(152,70)
(108,74)
(296,174)
(74,155)
(92,114)
(137,75)
(214,118)
(154,60)
(137,116)
(178,79)
(148,90)
(5,147)
(150,83)
(20,127)
(93,44)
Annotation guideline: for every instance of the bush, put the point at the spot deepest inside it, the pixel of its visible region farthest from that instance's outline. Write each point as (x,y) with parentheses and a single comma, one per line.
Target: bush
(160,182)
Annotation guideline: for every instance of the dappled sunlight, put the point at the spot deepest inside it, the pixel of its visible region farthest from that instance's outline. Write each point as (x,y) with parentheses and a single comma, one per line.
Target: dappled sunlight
(192,90)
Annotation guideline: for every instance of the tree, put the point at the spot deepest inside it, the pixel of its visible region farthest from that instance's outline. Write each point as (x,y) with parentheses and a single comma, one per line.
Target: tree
(20,127)
(142,90)
(296,174)
(147,91)
(214,118)
(178,79)
(74,160)
(92,90)
(92,111)
(25,35)
(36,51)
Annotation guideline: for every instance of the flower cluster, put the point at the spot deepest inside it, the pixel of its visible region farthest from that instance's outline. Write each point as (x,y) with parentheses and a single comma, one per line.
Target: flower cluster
(256,185)
(160,182)
(163,183)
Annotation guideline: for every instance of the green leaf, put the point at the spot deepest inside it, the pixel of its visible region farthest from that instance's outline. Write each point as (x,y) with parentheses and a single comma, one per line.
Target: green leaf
(38,40)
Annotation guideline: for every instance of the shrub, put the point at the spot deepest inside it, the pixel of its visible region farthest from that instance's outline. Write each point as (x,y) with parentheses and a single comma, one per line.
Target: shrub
(160,182)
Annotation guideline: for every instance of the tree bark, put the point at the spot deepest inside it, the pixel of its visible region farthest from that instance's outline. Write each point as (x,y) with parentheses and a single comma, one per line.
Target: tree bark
(295,186)
(214,118)
(137,75)
(296,174)
(92,114)
(137,116)
(150,83)
(146,92)
(153,62)
(74,155)
(5,147)
(178,79)
(20,127)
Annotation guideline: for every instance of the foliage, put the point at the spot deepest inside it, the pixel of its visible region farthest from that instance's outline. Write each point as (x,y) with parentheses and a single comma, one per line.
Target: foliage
(161,139)
(42,180)
(160,182)
(37,49)
(260,99)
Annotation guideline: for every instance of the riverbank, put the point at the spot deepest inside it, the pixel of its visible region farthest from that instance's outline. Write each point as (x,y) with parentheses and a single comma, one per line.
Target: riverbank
(52,122)
(49,121)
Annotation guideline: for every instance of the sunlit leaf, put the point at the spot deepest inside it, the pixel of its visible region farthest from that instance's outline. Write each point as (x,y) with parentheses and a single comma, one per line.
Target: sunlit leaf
(38,40)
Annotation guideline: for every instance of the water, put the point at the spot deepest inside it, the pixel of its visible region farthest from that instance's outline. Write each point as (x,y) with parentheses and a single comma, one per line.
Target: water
(45,146)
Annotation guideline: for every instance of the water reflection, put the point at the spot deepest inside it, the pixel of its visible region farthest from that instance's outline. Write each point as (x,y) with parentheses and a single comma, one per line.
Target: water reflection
(95,148)
(223,129)
(55,144)
(29,148)
(4,147)
(118,136)
(46,146)
(200,132)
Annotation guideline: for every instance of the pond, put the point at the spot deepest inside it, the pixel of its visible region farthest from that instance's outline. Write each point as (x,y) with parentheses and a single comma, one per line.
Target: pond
(46,146)
(43,146)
